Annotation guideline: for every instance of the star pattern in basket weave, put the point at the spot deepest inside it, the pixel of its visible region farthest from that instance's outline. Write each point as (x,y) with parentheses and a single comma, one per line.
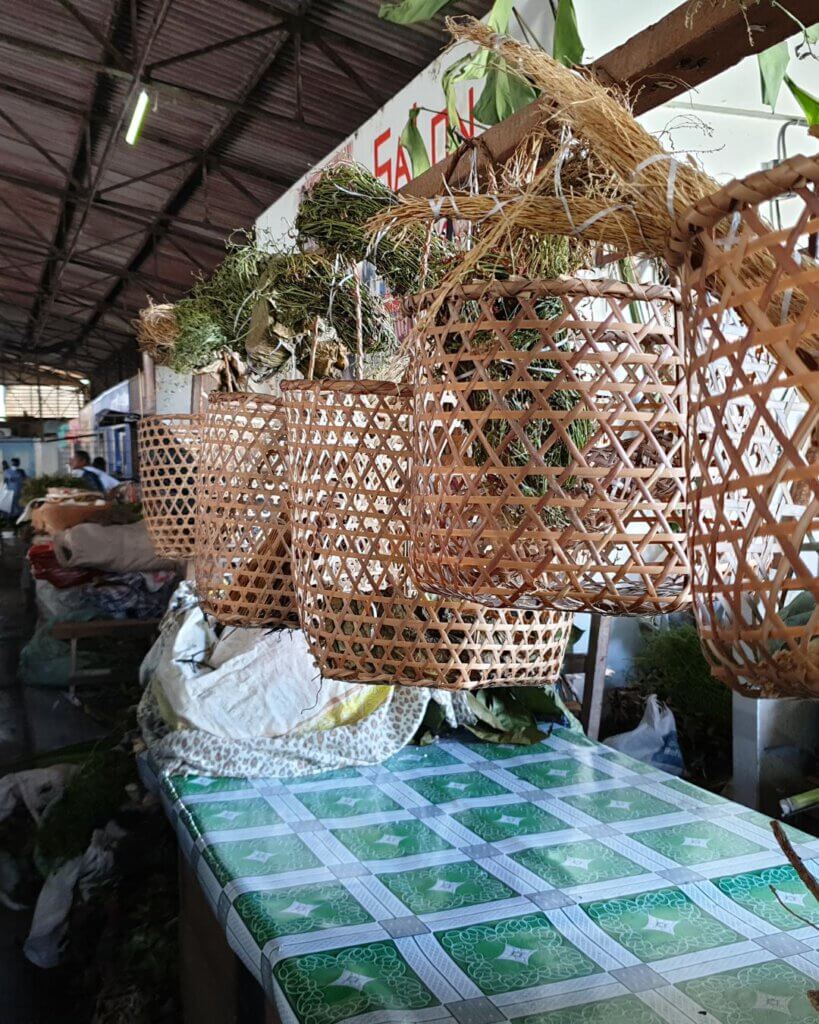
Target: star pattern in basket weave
(754,434)
(349,445)
(550,446)
(168,468)
(242,565)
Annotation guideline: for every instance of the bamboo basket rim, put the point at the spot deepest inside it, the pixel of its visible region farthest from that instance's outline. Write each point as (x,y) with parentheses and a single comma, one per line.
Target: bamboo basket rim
(359,386)
(593,287)
(757,187)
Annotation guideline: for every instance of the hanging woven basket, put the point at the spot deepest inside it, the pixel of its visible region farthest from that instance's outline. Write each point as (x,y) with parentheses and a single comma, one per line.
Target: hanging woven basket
(242,566)
(349,446)
(549,423)
(754,429)
(168,468)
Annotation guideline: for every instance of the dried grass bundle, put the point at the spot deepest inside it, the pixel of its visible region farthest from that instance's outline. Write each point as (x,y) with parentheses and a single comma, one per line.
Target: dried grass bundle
(157,330)
(597,220)
(653,189)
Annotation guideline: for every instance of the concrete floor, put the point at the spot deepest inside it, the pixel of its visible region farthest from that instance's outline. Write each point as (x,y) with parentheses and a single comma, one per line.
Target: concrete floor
(32,720)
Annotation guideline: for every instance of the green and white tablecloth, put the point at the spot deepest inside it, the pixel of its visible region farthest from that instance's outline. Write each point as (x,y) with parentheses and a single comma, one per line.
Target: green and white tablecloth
(478,883)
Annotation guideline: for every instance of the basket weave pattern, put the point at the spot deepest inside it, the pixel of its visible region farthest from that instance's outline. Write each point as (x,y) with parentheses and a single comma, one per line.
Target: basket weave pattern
(242,567)
(349,446)
(754,440)
(168,468)
(550,463)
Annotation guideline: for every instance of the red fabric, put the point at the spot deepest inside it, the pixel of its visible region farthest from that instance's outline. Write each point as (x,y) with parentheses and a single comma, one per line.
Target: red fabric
(44,566)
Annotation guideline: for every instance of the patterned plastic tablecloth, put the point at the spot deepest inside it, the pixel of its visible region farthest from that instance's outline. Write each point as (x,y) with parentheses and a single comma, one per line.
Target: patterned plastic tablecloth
(560,883)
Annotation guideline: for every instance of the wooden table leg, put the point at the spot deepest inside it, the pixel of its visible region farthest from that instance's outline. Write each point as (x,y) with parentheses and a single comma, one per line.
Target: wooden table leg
(216,988)
(595,685)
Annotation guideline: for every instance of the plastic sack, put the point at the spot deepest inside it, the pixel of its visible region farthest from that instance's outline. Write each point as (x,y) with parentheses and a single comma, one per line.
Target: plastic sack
(654,741)
(46,661)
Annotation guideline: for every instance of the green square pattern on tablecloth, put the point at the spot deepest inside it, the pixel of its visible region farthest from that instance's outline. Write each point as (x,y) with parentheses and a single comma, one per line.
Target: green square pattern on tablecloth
(563,771)
(658,924)
(752,891)
(626,804)
(582,863)
(508,820)
(298,909)
(757,994)
(445,887)
(268,855)
(219,815)
(333,985)
(441,789)
(516,953)
(696,842)
(392,839)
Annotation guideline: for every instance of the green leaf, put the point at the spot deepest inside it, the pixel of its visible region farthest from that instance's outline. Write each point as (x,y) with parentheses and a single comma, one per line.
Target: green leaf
(568,47)
(475,66)
(812,34)
(409,12)
(800,610)
(412,142)
(808,103)
(773,64)
(525,737)
(503,94)
(472,66)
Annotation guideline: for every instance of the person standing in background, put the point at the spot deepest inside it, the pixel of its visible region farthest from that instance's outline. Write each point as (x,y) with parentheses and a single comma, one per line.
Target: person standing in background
(14,478)
(96,479)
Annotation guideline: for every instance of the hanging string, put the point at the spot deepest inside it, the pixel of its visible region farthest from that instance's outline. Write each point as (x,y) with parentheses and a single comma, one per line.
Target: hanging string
(359,325)
(312,368)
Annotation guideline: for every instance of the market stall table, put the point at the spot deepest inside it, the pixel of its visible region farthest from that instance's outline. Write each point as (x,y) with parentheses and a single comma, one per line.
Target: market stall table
(561,883)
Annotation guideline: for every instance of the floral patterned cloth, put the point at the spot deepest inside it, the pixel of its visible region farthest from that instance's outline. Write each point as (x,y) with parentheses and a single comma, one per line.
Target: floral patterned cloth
(562,883)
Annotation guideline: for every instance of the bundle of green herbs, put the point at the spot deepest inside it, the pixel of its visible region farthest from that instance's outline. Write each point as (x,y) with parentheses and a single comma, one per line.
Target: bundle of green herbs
(334,215)
(302,287)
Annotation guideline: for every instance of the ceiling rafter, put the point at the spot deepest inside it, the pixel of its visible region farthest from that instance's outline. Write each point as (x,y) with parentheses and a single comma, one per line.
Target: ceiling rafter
(72,219)
(222,44)
(193,182)
(51,101)
(182,93)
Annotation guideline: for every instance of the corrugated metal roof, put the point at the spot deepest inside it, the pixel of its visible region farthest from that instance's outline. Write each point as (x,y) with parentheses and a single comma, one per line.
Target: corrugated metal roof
(90,226)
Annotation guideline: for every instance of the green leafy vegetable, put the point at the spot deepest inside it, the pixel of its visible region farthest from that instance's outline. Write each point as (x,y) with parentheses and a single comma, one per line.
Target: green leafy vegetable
(503,94)
(504,91)
(773,64)
(412,142)
(410,12)
(568,47)
(808,103)
(800,610)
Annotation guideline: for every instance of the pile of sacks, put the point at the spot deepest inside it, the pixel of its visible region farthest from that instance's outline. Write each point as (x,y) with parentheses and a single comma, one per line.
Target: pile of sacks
(91,571)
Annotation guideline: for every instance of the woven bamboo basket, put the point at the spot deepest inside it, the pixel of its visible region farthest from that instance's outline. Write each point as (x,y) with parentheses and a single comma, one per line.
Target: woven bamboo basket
(549,463)
(242,565)
(349,445)
(754,430)
(168,469)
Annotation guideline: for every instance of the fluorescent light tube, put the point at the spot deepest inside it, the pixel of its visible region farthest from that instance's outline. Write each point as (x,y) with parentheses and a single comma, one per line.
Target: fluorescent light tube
(138,118)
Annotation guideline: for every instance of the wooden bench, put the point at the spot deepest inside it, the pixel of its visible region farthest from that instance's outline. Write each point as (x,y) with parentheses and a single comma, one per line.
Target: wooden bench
(73,632)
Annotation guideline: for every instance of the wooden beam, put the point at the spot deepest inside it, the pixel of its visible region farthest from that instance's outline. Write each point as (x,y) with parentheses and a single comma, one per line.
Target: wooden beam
(661,62)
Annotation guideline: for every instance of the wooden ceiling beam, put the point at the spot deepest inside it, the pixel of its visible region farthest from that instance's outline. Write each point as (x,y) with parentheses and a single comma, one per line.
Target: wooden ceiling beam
(655,65)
